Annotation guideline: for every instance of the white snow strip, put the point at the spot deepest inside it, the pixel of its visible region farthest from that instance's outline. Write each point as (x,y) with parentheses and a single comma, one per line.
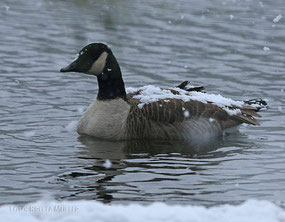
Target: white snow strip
(93,211)
(131,90)
(149,94)
(277,18)
(232,112)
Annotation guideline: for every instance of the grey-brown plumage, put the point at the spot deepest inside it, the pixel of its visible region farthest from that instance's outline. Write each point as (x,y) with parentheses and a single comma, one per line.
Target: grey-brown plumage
(167,120)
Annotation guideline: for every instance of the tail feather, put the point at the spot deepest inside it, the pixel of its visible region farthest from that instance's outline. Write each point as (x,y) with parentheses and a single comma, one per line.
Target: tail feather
(186,86)
(247,119)
(248,110)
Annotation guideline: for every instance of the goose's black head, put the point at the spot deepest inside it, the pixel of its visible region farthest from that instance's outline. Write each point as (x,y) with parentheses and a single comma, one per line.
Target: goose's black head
(90,60)
(97,59)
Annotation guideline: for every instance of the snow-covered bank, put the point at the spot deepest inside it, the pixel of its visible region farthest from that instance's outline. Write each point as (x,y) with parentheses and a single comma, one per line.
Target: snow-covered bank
(66,211)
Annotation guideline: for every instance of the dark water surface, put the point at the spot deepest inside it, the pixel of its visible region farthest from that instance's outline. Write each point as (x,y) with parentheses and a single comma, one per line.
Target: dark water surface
(218,44)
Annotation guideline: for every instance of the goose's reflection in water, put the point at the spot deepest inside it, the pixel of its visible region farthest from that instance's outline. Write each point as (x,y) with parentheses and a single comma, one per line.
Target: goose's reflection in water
(137,165)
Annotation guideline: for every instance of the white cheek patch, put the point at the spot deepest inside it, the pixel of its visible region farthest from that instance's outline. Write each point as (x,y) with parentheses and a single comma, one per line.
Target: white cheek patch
(98,66)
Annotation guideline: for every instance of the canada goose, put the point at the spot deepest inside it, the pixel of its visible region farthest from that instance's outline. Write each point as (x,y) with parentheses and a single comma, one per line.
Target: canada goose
(151,112)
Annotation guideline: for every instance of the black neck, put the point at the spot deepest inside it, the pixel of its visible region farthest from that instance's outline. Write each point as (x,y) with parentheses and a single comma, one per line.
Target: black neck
(110,81)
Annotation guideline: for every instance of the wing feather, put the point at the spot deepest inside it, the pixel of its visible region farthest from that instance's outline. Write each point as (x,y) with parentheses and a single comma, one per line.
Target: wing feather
(172,111)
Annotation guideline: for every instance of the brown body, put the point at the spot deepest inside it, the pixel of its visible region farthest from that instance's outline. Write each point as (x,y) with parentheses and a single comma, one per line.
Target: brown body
(167,119)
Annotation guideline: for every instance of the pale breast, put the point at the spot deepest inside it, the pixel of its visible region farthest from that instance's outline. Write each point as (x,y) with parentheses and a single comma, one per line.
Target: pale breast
(105,119)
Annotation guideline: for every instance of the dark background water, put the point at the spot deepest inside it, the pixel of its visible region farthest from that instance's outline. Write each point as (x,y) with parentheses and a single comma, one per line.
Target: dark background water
(218,44)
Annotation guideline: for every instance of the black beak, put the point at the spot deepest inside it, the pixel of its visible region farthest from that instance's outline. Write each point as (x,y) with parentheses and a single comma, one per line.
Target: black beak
(70,68)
